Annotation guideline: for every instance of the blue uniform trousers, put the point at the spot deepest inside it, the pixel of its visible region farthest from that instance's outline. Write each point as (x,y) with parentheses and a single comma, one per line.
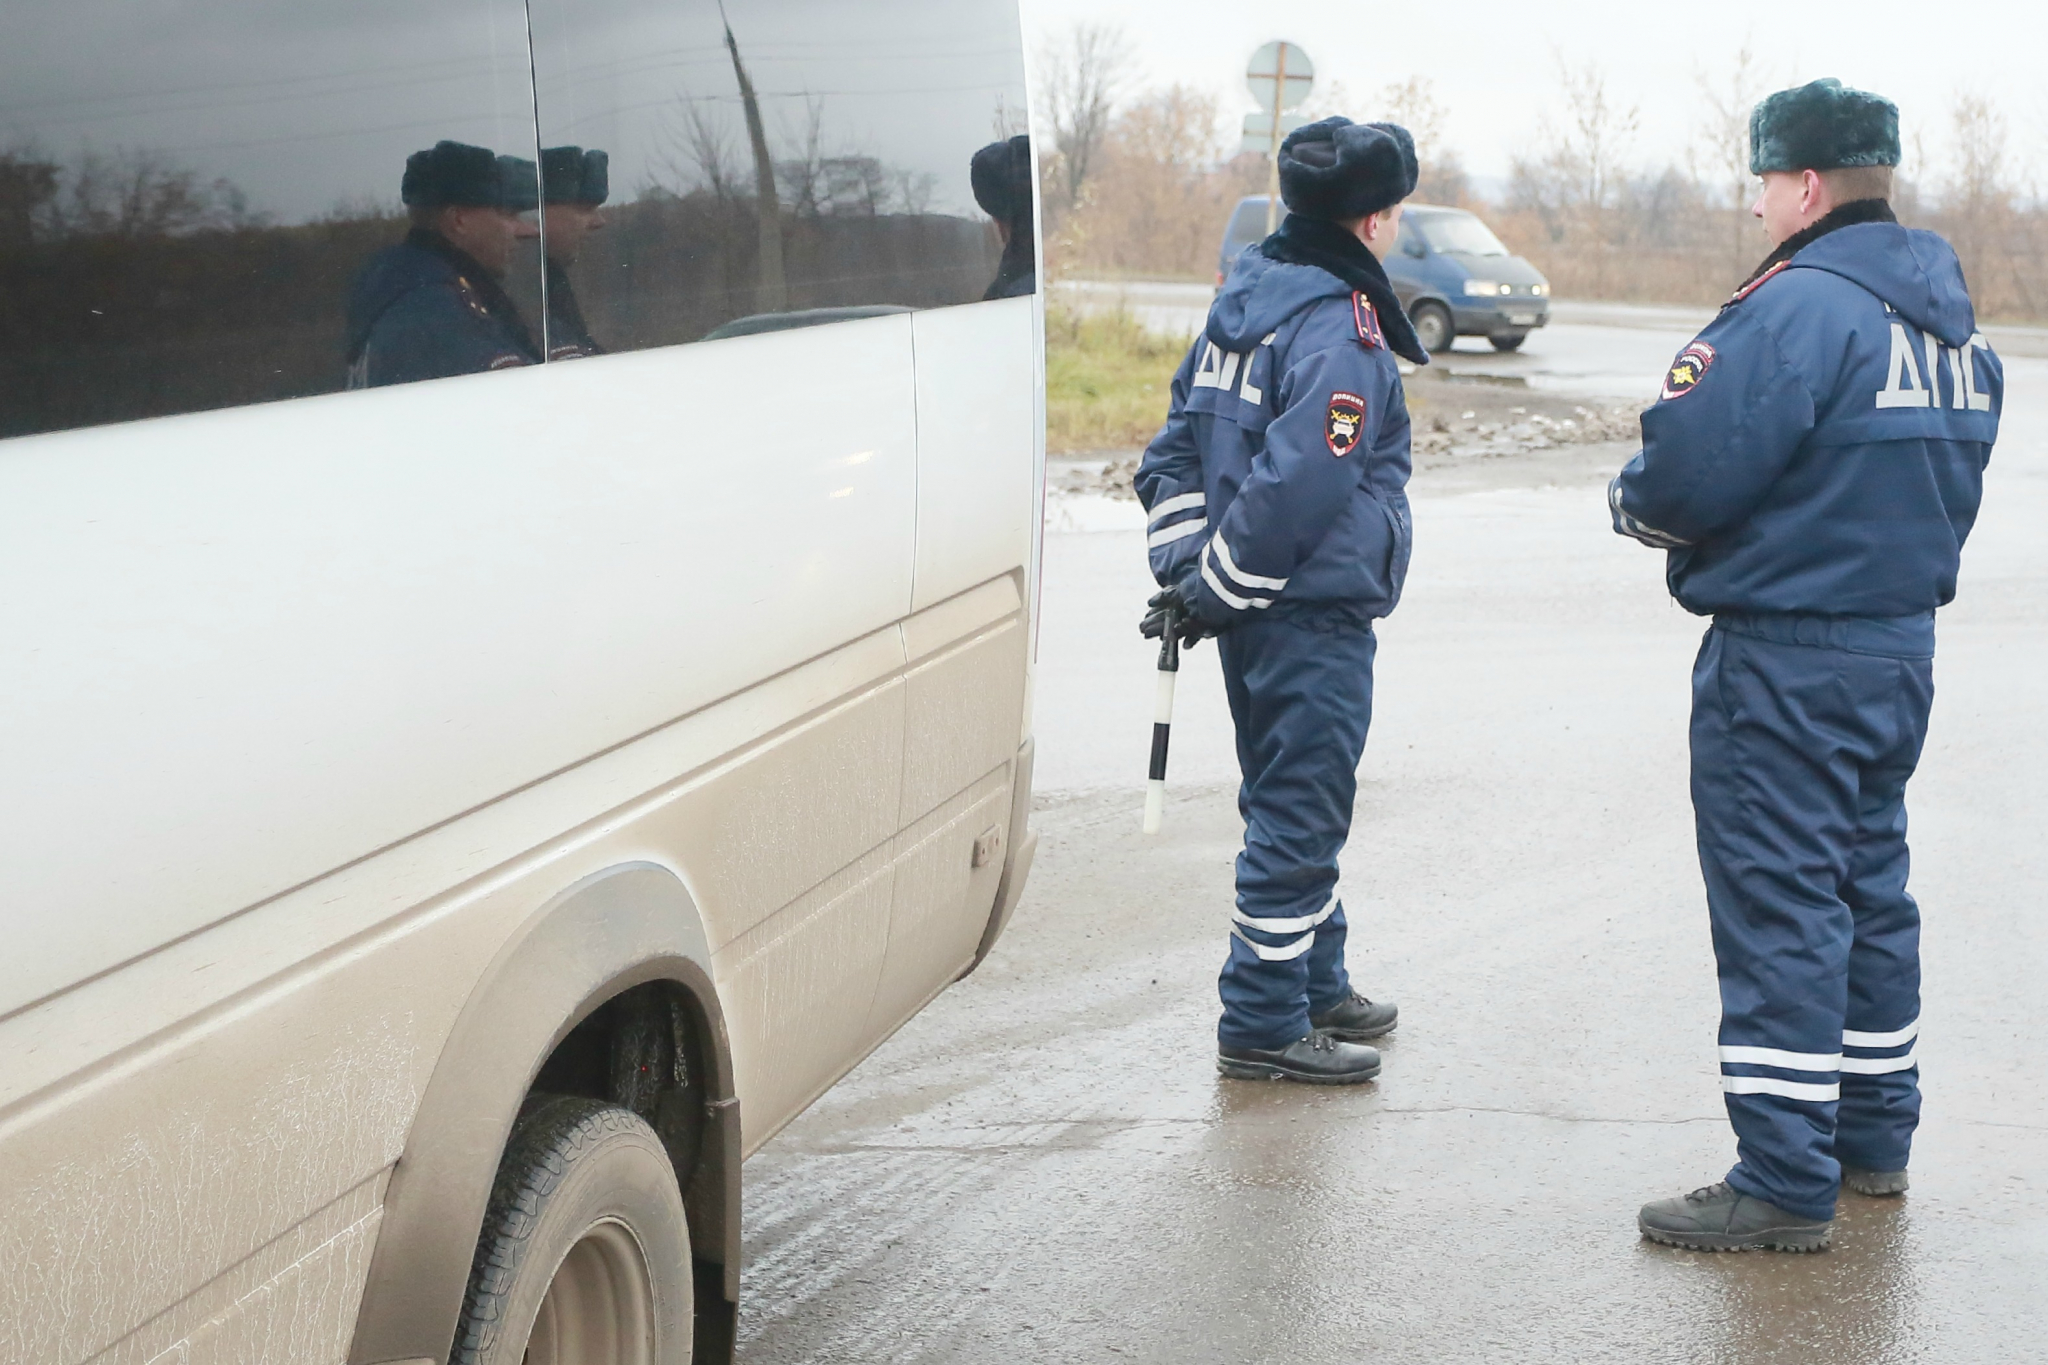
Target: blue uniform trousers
(1804,732)
(1301,695)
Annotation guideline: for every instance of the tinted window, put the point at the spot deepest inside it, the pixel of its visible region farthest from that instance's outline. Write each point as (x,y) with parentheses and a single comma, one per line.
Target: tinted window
(189,193)
(1461,233)
(808,162)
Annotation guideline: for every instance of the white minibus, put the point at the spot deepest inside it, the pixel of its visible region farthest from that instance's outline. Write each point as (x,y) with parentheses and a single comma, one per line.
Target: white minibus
(518,540)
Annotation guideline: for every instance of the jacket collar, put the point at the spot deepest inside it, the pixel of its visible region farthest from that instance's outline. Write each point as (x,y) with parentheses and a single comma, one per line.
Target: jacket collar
(1311,241)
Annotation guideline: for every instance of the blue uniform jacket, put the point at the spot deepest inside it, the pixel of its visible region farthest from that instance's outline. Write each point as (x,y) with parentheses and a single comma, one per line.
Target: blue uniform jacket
(1820,449)
(1279,474)
(425,310)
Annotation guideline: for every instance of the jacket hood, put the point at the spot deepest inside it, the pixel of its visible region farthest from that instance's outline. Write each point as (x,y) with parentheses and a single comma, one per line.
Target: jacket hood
(389,276)
(1262,293)
(1914,271)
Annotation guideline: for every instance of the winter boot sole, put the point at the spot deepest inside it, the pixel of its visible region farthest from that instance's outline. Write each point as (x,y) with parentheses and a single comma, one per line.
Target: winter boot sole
(1768,1239)
(1270,1071)
(1875,1184)
(1353,1035)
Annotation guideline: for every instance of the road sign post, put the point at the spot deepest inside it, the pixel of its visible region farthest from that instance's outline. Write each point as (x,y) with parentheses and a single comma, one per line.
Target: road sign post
(1280,76)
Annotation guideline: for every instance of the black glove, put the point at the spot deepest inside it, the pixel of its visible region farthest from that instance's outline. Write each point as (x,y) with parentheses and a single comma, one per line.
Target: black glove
(1178,603)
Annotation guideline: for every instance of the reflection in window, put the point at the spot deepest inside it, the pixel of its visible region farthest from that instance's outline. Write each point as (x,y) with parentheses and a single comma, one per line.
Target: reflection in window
(804,162)
(185,213)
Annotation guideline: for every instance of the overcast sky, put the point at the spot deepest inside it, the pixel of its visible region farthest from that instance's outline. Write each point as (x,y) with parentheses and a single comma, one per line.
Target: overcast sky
(1494,63)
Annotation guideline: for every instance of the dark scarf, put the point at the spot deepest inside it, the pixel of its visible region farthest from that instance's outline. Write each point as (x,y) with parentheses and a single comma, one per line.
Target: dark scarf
(566,326)
(1019,261)
(1841,216)
(1311,241)
(482,283)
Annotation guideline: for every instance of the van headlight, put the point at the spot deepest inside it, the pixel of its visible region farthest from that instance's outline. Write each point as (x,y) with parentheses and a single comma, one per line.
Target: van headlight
(1539,290)
(1484,288)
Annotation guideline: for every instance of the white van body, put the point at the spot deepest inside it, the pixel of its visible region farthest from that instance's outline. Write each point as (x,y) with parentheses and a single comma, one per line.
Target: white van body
(358,748)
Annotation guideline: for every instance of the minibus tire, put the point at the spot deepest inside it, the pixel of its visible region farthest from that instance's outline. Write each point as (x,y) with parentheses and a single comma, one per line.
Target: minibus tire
(1508,341)
(585,1251)
(1433,327)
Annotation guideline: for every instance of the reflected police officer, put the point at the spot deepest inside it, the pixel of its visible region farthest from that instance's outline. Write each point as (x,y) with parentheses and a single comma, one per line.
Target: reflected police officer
(574,185)
(1278,521)
(1811,469)
(1000,175)
(435,304)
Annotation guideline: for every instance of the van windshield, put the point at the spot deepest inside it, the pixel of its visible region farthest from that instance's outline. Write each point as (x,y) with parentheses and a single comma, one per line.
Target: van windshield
(1460,233)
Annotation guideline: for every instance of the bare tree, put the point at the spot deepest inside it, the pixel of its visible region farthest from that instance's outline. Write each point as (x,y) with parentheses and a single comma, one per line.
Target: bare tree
(1978,198)
(1720,154)
(1573,182)
(699,152)
(1082,74)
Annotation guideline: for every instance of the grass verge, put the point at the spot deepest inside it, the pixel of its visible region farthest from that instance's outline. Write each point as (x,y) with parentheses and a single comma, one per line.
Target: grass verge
(1106,381)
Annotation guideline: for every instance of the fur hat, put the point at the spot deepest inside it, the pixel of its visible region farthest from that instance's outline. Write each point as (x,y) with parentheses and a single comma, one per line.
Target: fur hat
(1338,170)
(570,175)
(1823,126)
(1000,175)
(457,174)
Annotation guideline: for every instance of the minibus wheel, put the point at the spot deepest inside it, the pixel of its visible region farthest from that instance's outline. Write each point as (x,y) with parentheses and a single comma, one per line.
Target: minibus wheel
(1433,327)
(584,1258)
(1508,341)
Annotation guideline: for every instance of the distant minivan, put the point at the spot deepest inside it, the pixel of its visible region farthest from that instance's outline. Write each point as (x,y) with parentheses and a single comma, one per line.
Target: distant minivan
(452,819)
(1452,275)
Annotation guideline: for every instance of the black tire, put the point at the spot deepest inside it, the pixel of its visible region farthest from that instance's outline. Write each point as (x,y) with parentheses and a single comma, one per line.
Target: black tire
(1508,341)
(1433,327)
(584,1258)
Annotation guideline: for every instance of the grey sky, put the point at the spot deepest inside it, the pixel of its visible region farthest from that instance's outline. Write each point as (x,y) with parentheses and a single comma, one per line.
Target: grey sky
(1494,62)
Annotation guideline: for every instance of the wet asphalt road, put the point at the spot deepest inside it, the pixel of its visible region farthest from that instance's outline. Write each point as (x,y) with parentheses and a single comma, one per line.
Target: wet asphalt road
(1044,1166)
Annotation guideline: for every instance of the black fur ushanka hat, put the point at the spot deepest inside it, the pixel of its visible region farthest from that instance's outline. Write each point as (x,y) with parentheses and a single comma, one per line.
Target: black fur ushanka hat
(570,175)
(1822,126)
(1337,170)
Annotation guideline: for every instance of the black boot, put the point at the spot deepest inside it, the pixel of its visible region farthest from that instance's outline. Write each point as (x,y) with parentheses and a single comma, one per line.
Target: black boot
(1318,1059)
(1720,1218)
(1877,1184)
(1355,1019)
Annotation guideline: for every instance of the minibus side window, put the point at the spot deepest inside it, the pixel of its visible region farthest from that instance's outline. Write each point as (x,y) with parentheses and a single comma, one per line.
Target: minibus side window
(193,199)
(781,163)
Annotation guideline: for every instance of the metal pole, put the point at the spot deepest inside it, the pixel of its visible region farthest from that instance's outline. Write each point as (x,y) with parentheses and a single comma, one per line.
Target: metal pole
(1162,722)
(1273,157)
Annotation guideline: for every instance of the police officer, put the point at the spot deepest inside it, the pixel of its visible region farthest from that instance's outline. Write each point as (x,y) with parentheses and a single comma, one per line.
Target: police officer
(1812,469)
(1000,175)
(435,305)
(1279,524)
(574,185)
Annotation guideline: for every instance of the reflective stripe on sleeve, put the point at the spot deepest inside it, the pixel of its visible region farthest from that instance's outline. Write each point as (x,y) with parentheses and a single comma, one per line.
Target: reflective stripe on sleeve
(1180,503)
(1230,598)
(1247,581)
(1179,532)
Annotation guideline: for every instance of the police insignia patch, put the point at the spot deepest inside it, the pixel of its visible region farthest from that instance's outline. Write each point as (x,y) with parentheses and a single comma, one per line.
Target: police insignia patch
(1687,371)
(1344,423)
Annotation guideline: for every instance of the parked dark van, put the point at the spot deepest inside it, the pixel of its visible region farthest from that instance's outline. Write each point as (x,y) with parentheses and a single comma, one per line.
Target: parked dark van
(1450,272)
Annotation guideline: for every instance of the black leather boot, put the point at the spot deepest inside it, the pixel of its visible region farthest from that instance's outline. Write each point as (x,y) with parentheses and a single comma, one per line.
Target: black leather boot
(1720,1218)
(1356,1019)
(1318,1059)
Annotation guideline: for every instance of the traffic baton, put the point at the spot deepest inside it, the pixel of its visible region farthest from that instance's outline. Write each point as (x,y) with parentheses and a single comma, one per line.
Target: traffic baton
(1162,721)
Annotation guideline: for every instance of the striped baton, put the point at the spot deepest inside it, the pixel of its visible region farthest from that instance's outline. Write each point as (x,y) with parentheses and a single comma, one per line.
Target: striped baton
(1162,721)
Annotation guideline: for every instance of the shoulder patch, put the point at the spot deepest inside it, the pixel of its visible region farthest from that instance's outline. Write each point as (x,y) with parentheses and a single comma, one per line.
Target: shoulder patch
(1344,423)
(1686,372)
(1369,333)
(1757,283)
